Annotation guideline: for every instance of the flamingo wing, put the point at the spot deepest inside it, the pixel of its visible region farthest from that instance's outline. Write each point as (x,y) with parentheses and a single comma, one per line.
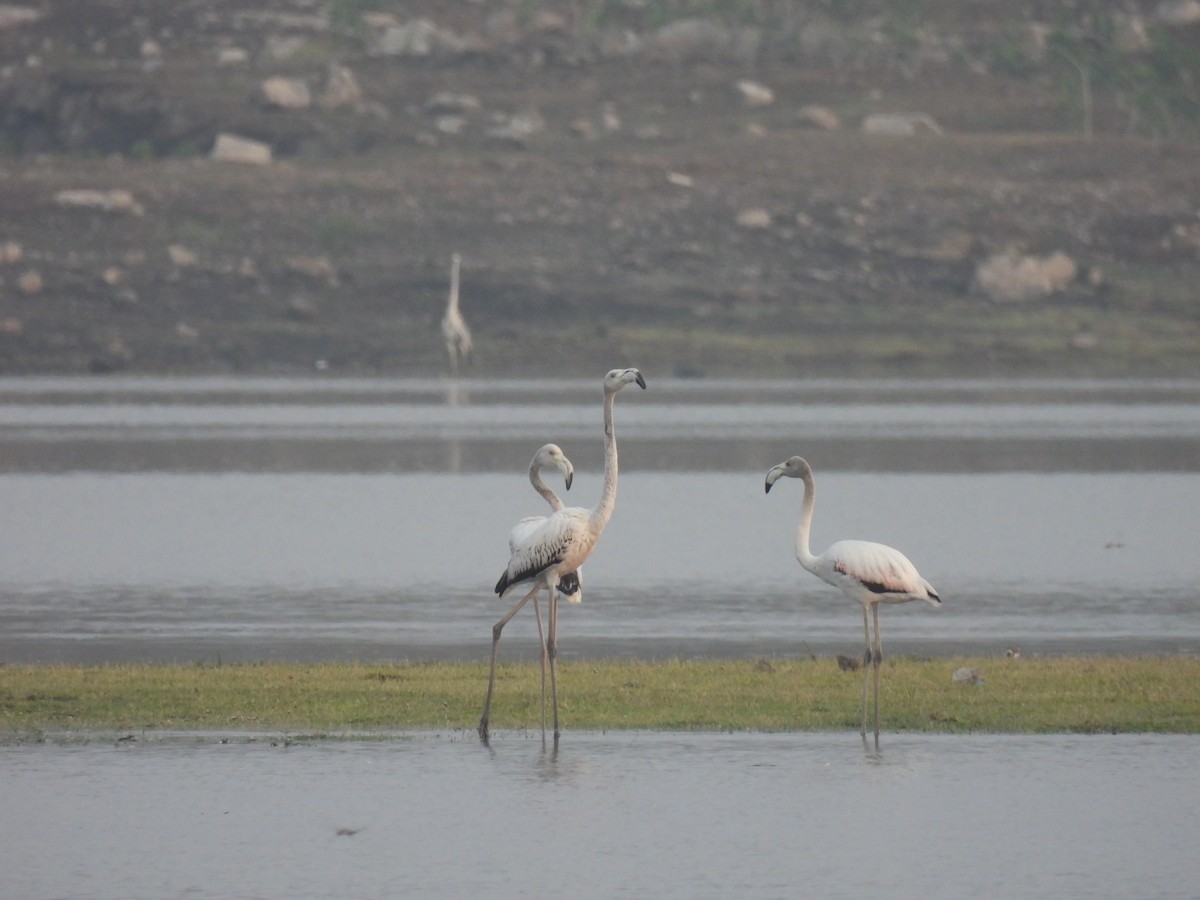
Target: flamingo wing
(879,569)
(541,545)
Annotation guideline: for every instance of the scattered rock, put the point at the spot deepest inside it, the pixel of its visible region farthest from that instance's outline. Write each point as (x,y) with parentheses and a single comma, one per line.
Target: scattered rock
(967,675)
(518,128)
(1129,33)
(819,117)
(302,308)
(233,148)
(1011,277)
(420,37)
(11,325)
(754,218)
(113,276)
(285,93)
(1178,12)
(755,94)
(15,16)
(116,200)
(680,180)
(232,56)
(698,39)
(450,103)
(316,267)
(900,124)
(186,331)
(30,283)
(341,89)
(11,252)
(182,257)
(282,47)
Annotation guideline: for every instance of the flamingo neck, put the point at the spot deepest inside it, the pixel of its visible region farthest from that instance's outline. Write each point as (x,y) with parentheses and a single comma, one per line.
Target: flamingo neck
(803,554)
(608,495)
(452,303)
(535,478)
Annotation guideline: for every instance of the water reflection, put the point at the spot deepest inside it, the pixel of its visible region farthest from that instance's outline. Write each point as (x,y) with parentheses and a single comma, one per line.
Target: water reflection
(628,814)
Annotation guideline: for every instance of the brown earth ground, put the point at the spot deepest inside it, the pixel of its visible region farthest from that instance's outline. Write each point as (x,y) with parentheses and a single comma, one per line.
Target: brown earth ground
(650,215)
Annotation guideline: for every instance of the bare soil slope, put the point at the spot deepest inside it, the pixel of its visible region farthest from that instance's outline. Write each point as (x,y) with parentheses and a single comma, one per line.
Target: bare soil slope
(616,194)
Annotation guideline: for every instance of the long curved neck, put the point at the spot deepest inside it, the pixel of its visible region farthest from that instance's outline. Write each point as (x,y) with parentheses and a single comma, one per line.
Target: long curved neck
(803,554)
(452,302)
(535,478)
(608,495)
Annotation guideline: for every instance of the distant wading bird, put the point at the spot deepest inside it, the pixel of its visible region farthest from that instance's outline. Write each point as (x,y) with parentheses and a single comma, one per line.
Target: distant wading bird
(865,571)
(454,327)
(551,552)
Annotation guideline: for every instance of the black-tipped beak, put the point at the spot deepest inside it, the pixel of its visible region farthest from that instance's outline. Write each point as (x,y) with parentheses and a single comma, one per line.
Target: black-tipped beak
(768,488)
(640,380)
(570,477)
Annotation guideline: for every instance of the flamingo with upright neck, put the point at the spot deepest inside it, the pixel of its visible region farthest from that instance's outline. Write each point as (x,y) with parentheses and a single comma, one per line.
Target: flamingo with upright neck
(555,549)
(454,326)
(863,570)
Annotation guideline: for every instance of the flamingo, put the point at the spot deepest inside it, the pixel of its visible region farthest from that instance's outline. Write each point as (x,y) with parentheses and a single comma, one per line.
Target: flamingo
(553,550)
(864,571)
(454,327)
(571,585)
(547,455)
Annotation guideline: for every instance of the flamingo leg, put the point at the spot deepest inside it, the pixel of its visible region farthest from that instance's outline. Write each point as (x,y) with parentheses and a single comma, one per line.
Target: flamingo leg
(537,614)
(867,654)
(552,654)
(496,629)
(876,664)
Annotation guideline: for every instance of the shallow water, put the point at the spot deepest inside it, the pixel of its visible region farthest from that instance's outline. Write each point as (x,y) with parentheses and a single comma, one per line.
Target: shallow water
(238,519)
(617,815)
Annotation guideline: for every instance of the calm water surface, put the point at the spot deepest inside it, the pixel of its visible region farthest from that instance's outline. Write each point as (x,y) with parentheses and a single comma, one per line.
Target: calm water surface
(185,519)
(623,815)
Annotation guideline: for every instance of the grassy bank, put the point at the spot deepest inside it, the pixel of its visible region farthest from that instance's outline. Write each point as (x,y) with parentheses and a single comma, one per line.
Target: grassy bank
(1099,694)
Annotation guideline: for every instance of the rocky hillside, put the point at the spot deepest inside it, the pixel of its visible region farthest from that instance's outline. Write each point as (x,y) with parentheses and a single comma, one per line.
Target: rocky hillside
(765,187)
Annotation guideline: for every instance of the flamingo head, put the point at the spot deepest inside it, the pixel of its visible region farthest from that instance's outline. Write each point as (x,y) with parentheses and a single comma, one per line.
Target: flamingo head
(618,378)
(796,467)
(552,455)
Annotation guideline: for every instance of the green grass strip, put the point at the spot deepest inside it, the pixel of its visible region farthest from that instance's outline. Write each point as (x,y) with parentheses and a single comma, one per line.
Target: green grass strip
(1050,695)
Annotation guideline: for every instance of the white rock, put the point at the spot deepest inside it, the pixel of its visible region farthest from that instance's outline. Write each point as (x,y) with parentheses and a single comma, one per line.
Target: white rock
(181,256)
(232,56)
(900,124)
(341,89)
(1014,277)
(286,93)
(115,200)
(754,218)
(966,675)
(1178,12)
(820,117)
(755,94)
(14,16)
(233,148)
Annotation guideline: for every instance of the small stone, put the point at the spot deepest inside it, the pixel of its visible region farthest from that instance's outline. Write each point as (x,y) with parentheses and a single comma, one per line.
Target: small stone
(181,256)
(11,252)
(754,218)
(819,117)
(112,276)
(11,325)
(755,94)
(900,124)
(115,200)
(680,180)
(233,148)
(30,283)
(967,675)
(232,56)
(286,93)
(341,89)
